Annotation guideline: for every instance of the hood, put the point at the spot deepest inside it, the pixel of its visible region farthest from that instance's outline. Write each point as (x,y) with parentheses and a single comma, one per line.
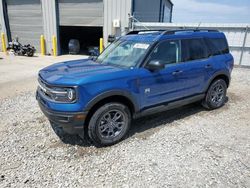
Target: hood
(75,72)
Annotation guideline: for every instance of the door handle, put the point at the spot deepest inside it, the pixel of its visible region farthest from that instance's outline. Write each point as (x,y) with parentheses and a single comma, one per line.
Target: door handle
(177,72)
(208,66)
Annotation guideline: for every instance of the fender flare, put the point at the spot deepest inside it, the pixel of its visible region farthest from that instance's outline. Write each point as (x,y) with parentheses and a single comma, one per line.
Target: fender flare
(107,94)
(219,73)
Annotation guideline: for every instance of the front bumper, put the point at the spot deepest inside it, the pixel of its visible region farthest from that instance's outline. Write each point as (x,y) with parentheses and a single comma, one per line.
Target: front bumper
(71,122)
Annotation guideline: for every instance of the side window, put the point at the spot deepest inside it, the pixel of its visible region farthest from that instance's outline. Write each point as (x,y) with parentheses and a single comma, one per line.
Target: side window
(218,46)
(167,52)
(193,49)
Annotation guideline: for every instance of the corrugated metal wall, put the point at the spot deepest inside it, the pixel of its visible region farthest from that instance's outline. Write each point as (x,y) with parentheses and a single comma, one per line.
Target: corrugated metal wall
(238,36)
(116,9)
(81,12)
(50,22)
(246,48)
(47,21)
(167,11)
(25,21)
(146,11)
(152,11)
(103,12)
(0,39)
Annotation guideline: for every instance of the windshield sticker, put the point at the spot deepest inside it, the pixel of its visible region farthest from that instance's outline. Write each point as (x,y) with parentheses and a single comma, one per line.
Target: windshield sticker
(141,46)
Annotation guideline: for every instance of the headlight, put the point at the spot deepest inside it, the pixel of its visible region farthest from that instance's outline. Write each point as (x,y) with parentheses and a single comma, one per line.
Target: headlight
(63,94)
(58,94)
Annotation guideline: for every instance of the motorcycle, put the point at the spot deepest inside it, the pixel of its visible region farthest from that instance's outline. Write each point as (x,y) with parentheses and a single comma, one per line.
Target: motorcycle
(18,49)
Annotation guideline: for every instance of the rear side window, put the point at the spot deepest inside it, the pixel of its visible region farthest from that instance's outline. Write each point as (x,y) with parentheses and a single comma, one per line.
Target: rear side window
(217,46)
(193,49)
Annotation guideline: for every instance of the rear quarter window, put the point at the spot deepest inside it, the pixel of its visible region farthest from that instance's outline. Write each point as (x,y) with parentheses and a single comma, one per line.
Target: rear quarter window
(217,46)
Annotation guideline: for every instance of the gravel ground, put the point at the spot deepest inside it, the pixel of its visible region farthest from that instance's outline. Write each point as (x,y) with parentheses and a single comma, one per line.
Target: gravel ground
(187,147)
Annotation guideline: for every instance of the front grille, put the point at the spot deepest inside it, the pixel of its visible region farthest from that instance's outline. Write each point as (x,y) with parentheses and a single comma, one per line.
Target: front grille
(45,89)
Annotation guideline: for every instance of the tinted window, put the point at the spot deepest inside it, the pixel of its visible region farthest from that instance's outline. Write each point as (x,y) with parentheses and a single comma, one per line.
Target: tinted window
(193,49)
(167,52)
(217,46)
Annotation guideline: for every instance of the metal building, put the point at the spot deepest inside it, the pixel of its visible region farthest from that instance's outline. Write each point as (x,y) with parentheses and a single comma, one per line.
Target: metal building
(85,20)
(159,11)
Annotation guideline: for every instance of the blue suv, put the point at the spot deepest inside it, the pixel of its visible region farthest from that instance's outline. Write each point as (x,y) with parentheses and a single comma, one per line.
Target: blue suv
(139,74)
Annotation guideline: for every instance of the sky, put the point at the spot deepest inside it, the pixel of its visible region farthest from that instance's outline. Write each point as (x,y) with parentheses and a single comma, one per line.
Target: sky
(211,11)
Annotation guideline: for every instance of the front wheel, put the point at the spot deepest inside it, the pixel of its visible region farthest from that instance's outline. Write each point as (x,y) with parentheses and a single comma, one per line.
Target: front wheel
(109,124)
(216,95)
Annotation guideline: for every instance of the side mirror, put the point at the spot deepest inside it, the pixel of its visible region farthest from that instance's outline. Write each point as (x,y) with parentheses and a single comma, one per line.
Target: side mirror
(155,65)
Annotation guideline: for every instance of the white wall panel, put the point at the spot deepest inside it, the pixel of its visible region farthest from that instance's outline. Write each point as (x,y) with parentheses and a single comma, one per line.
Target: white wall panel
(50,22)
(116,9)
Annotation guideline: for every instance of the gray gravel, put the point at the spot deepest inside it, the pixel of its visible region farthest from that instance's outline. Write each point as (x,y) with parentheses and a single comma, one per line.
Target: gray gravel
(187,147)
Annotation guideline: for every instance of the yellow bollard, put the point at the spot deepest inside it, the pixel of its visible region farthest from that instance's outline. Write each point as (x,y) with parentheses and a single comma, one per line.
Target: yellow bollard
(101,45)
(54,45)
(3,42)
(42,43)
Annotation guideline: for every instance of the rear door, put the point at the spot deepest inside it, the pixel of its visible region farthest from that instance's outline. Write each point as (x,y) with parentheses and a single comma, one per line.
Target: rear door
(219,53)
(196,66)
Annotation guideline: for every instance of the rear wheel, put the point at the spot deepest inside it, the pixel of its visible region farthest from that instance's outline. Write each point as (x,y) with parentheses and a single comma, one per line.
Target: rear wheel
(216,95)
(109,124)
(30,53)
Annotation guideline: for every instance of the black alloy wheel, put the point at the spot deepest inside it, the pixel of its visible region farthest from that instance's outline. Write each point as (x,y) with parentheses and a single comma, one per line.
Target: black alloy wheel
(216,95)
(109,124)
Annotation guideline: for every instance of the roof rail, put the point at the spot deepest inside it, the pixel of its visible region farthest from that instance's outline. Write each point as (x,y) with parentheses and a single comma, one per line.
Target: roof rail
(171,32)
(137,32)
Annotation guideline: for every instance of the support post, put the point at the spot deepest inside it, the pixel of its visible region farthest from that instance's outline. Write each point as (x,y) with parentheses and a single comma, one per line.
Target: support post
(243,46)
(42,43)
(3,42)
(101,45)
(54,45)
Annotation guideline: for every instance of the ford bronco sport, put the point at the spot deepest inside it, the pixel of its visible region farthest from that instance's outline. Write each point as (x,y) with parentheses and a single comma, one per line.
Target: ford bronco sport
(139,74)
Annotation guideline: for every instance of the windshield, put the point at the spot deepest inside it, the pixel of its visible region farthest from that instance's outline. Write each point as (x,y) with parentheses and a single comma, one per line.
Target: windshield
(124,53)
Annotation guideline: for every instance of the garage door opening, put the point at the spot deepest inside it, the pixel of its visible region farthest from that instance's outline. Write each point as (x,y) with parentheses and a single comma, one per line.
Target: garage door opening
(88,37)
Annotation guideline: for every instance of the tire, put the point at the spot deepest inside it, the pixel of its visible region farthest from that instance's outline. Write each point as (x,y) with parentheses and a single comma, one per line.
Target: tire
(30,53)
(216,95)
(109,124)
